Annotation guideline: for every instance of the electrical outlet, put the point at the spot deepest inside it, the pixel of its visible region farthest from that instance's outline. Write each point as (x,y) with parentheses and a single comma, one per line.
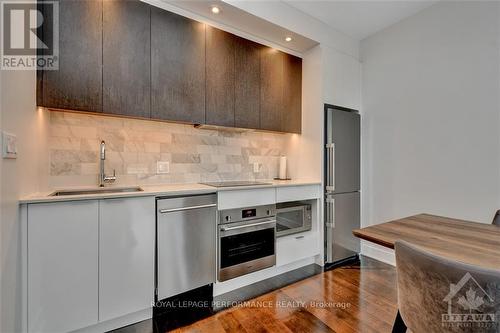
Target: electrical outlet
(256,167)
(9,145)
(162,167)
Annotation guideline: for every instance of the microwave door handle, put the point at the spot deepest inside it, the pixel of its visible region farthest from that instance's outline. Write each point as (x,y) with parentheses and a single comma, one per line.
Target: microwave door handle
(302,208)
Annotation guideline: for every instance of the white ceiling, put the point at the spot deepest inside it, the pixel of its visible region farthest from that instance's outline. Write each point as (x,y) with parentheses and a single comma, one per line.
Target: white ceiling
(238,22)
(360,19)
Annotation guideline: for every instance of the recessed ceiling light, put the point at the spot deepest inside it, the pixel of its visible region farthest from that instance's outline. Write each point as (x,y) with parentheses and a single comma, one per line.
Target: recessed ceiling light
(215,10)
(288,39)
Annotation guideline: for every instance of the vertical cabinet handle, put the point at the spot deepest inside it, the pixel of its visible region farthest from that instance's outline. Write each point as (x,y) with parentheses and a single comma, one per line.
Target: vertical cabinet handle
(330,173)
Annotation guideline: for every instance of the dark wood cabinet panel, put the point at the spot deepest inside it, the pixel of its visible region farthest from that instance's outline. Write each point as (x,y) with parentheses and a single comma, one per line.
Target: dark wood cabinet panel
(126,58)
(220,77)
(247,83)
(177,67)
(271,89)
(292,94)
(77,84)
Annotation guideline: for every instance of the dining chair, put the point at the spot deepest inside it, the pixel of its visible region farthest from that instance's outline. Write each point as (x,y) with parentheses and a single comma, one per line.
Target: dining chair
(496,218)
(430,287)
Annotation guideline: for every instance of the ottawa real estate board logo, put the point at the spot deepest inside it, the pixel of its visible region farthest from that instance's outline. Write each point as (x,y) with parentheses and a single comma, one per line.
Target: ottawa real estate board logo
(30,35)
(470,306)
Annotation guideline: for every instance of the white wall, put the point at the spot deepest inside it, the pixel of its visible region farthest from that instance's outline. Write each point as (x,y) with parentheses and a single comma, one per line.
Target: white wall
(18,177)
(291,18)
(305,151)
(341,79)
(1,205)
(431,136)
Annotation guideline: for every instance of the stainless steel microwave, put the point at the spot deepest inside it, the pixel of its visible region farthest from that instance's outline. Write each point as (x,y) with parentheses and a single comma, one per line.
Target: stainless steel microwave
(292,218)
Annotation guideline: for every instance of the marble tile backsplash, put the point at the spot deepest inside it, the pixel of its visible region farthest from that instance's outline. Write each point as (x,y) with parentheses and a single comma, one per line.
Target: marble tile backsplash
(135,146)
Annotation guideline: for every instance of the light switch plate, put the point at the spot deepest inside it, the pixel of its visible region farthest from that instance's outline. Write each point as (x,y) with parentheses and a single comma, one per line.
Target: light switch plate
(9,145)
(162,167)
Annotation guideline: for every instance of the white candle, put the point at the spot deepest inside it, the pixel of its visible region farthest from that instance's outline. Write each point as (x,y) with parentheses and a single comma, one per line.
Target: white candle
(282,174)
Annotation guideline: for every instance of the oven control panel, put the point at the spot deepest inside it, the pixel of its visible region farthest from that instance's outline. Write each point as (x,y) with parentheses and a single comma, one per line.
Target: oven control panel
(247,213)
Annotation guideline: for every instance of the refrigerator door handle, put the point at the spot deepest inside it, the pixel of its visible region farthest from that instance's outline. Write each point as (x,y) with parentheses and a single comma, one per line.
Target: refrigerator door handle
(330,225)
(330,205)
(330,176)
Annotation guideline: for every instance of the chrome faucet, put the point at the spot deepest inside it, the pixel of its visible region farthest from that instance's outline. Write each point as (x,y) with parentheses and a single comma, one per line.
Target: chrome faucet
(102,176)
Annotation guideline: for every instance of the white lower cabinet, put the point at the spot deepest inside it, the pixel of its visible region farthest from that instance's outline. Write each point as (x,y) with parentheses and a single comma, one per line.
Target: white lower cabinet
(126,256)
(230,199)
(296,247)
(62,266)
(88,262)
(298,193)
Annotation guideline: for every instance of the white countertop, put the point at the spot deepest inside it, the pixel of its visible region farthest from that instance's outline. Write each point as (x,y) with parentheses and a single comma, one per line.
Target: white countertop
(157,190)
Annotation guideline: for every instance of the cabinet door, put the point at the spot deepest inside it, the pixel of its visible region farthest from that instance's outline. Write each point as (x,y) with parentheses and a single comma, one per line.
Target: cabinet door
(292,94)
(342,84)
(126,58)
(177,68)
(271,89)
(62,266)
(247,83)
(77,84)
(126,256)
(220,77)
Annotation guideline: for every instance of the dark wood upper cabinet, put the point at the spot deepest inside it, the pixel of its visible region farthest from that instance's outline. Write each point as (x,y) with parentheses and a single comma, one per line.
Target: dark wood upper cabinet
(247,83)
(126,58)
(77,85)
(220,76)
(292,94)
(177,67)
(271,89)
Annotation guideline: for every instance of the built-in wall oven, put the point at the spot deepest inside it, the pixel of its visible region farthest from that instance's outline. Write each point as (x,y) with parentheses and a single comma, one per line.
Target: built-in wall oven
(292,218)
(247,240)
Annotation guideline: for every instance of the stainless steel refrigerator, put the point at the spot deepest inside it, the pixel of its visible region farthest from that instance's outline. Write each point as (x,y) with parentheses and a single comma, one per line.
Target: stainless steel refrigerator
(342,184)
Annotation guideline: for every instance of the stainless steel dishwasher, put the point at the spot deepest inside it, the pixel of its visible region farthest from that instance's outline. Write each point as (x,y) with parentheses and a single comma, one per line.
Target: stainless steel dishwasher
(186,244)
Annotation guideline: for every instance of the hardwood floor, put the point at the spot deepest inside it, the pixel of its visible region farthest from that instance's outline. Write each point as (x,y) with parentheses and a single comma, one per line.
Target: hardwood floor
(351,299)
(348,299)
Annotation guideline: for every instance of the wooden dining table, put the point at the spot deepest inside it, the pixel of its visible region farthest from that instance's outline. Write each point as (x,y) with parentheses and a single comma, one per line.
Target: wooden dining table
(469,242)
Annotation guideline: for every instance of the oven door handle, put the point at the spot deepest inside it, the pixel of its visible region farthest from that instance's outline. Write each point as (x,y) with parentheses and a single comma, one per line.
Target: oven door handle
(225,228)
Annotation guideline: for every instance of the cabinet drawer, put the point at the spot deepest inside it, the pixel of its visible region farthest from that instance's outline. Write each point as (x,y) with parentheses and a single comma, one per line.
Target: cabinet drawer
(294,193)
(296,247)
(246,198)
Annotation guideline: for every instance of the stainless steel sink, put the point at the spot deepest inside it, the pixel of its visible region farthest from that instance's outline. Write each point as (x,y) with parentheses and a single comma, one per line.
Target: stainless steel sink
(99,190)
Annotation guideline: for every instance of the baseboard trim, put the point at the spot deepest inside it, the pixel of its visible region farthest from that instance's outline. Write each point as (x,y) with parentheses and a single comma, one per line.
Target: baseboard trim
(344,262)
(245,280)
(257,289)
(119,322)
(378,252)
